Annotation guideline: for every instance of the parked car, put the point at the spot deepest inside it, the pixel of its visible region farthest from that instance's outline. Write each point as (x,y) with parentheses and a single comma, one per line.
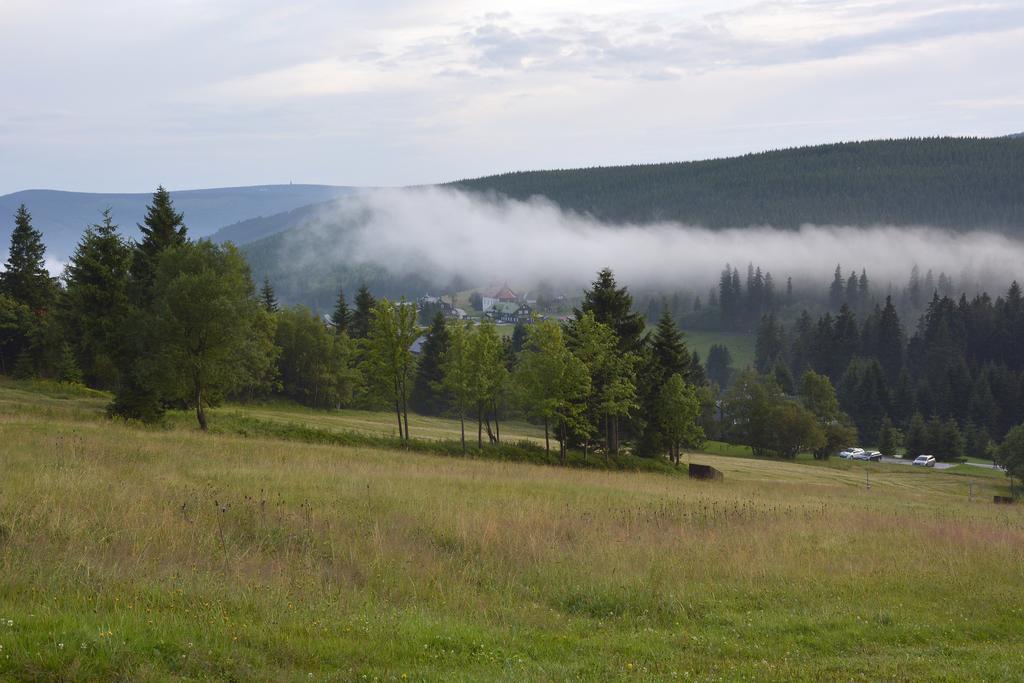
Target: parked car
(873,456)
(925,461)
(850,453)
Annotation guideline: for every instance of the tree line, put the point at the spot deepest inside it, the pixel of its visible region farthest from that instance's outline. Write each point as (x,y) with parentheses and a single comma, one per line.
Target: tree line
(954,383)
(165,322)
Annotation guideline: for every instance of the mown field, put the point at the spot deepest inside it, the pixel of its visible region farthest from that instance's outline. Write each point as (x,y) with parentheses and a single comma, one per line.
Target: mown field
(740,345)
(165,554)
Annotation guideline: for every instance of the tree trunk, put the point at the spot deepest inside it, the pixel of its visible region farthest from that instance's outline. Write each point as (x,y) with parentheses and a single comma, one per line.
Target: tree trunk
(561,449)
(497,427)
(607,438)
(615,434)
(405,410)
(487,425)
(200,413)
(462,425)
(547,443)
(398,414)
(479,425)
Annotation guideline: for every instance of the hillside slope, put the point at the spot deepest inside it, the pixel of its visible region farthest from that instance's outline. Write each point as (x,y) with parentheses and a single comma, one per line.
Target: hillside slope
(62,216)
(956,183)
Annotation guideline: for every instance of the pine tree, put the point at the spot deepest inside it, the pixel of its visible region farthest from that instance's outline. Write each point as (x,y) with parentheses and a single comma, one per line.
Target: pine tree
(359,326)
(67,367)
(837,290)
(342,316)
(666,356)
(518,336)
(668,350)
(953,441)
(267,297)
(25,278)
(917,437)
(95,301)
(613,306)
(888,346)
(162,228)
(427,396)
(770,344)
(888,438)
(977,443)
(719,364)
(784,378)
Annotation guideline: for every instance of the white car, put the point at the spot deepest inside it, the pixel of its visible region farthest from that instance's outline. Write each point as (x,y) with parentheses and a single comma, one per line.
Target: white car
(851,453)
(868,455)
(925,461)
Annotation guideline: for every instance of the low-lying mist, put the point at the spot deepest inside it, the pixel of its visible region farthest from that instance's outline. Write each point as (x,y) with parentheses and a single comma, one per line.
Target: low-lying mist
(442,233)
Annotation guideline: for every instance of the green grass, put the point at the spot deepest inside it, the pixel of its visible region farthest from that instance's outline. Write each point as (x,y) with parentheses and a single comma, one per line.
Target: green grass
(131,553)
(740,345)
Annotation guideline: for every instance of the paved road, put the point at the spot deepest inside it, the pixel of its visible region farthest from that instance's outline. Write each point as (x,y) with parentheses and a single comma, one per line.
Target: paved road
(901,461)
(987,465)
(941,465)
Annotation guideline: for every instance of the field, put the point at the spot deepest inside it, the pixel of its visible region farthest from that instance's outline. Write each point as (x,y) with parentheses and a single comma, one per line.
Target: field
(165,554)
(740,345)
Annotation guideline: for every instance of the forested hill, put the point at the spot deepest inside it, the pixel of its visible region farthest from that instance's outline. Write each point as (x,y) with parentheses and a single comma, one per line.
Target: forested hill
(958,183)
(62,216)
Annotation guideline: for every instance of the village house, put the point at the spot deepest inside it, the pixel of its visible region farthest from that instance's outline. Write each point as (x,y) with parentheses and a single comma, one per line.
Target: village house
(502,296)
(510,312)
(450,311)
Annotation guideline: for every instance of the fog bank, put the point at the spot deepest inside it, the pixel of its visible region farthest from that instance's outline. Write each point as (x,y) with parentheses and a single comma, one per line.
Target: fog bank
(443,232)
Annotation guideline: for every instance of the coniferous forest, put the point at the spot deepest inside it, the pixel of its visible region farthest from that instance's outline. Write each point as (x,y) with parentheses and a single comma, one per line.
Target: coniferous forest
(955,183)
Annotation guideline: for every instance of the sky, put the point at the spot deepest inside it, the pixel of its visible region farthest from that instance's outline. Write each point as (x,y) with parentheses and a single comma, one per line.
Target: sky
(122,95)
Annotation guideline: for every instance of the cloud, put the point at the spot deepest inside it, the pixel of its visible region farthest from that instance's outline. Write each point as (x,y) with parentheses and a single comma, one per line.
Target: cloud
(196,93)
(441,233)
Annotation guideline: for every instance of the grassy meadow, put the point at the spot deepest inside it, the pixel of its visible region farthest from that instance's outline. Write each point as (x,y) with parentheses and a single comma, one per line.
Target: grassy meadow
(740,345)
(140,554)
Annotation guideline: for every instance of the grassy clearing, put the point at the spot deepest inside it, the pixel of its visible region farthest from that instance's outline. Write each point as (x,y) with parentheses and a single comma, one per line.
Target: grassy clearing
(740,345)
(156,554)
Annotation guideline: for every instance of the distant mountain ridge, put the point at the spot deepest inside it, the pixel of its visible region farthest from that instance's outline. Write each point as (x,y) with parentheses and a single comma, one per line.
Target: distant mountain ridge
(62,216)
(956,183)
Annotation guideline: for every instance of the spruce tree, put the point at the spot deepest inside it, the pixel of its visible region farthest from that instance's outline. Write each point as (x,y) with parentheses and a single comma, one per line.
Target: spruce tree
(25,278)
(719,364)
(837,290)
(162,228)
(95,303)
(666,356)
(770,344)
(917,437)
(518,337)
(889,341)
(427,397)
(360,324)
(342,316)
(613,306)
(888,438)
(268,298)
(668,350)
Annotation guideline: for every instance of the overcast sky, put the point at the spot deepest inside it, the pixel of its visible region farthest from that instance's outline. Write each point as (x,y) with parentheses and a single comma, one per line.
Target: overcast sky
(121,95)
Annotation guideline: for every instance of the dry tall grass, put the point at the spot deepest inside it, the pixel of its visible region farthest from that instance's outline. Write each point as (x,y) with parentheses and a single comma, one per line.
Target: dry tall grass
(151,554)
